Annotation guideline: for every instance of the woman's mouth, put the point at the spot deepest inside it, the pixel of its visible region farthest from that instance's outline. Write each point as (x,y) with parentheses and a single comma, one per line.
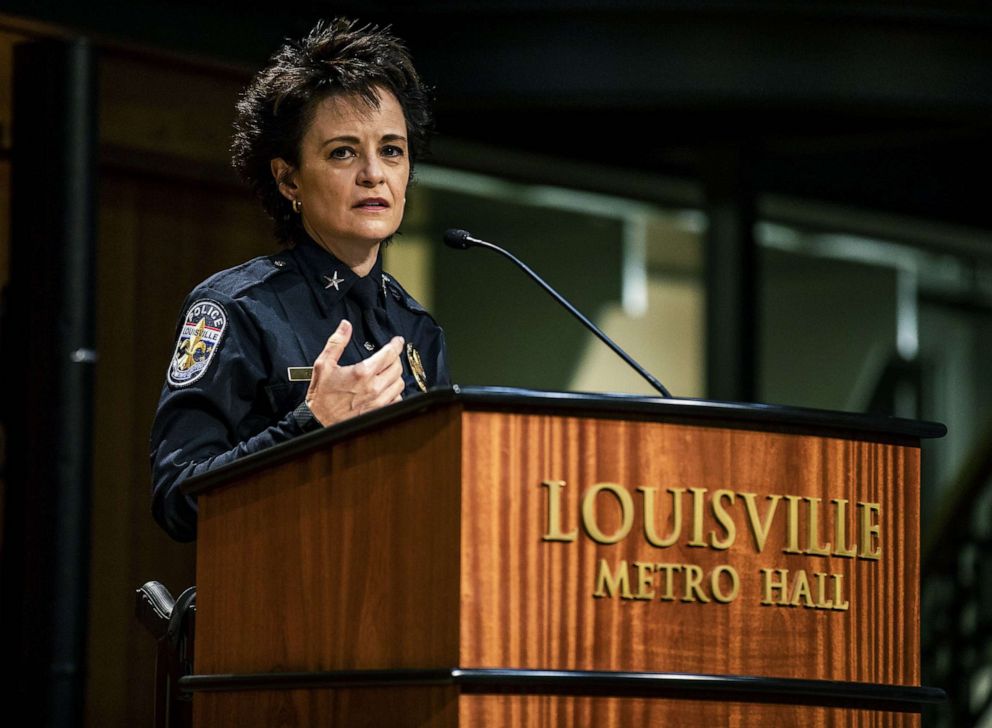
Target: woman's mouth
(372,203)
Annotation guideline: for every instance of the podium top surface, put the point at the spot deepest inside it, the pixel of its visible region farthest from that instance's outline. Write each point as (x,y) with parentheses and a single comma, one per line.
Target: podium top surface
(775,418)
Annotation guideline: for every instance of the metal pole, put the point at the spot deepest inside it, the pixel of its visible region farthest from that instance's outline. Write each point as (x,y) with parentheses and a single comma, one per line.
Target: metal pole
(48,368)
(731,277)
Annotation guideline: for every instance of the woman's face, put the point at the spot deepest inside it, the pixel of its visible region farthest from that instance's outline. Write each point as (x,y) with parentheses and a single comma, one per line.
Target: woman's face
(353,173)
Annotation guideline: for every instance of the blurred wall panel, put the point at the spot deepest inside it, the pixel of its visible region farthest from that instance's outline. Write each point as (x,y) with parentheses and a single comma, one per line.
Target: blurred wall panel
(171,213)
(825,326)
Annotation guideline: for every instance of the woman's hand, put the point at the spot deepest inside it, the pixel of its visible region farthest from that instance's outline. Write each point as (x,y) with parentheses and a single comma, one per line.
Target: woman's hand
(338,393)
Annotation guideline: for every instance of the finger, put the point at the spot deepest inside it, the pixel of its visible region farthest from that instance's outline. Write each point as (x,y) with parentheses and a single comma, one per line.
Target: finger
(392,393)
(384,358)
(397,391)
(337,341)
(392,372)
(378,390)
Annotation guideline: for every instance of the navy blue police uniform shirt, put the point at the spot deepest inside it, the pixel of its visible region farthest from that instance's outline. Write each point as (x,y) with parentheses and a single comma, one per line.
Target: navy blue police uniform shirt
(228,392)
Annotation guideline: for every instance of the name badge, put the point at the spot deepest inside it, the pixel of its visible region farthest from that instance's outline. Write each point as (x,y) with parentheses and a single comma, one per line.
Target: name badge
(299,374)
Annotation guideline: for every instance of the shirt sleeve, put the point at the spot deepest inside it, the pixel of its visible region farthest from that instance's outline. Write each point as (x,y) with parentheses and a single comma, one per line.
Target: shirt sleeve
(213,406)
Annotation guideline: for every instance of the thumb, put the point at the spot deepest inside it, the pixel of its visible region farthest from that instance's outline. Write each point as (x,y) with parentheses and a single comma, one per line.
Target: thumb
(338,341)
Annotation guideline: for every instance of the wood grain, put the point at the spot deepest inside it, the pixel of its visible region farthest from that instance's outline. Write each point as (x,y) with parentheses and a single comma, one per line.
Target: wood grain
(557,711)
(444,707)
(420,545)
(396,707)
(528,603)
(346,559)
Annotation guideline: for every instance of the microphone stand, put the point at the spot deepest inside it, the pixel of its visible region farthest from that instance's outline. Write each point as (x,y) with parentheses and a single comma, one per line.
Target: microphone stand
(462,240)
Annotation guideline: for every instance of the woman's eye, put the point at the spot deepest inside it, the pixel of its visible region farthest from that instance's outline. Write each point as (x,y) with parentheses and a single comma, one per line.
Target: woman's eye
(342,153)
(391,150)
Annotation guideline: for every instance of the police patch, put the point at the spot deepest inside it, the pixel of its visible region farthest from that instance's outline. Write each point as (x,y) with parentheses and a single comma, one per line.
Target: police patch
(199,337)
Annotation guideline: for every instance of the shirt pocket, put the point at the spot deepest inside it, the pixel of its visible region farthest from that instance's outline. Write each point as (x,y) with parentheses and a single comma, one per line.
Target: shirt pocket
(277,396)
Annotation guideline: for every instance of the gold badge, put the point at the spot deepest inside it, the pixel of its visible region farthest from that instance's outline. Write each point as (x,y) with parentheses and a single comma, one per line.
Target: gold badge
(417,367)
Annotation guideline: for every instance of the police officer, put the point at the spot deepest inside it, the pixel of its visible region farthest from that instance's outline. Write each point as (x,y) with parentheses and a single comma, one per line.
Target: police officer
(326,135)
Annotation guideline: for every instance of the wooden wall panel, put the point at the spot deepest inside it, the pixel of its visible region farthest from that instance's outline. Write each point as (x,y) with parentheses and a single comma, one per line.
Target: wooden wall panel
(8,38)
(181,110)
(157,238)
(529,603)
(163,227)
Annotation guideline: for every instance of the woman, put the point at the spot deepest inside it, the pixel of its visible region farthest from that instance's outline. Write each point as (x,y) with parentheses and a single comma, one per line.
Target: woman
(326,135)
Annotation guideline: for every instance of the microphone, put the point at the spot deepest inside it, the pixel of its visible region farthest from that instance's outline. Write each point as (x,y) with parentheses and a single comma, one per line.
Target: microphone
(460,239)
(463,240)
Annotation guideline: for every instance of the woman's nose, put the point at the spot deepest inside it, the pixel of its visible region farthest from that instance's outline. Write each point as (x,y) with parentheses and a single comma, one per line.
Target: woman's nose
(371,172)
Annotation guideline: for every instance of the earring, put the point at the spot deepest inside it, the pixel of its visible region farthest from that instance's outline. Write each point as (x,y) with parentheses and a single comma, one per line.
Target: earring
(297,205)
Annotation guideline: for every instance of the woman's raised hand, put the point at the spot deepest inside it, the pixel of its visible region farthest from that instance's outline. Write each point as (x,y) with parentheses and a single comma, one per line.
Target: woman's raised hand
(338,393)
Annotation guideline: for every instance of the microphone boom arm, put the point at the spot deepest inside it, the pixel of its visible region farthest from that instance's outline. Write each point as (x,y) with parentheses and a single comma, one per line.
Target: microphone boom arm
(464,240)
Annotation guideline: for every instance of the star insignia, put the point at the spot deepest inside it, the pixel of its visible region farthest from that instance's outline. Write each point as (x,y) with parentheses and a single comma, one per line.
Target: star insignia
(335,281)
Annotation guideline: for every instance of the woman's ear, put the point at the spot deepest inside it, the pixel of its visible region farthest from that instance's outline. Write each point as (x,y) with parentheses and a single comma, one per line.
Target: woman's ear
(285,176)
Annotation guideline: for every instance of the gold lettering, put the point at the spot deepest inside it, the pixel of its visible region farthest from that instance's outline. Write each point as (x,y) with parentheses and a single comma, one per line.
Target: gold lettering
(840,604)
(792,525)
(693,584)
(841,547)
(871,531)
(669,594)
(801,591)
(735,584)
(589,517)
(607,583)
(645,575)
(721,515)
(649,517)
(759,527)
(800,594)
(821,592)
(697,516)
(554,532)
(813,531)
(769,585)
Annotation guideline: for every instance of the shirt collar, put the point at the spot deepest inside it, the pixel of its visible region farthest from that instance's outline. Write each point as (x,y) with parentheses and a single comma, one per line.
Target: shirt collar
(328,277)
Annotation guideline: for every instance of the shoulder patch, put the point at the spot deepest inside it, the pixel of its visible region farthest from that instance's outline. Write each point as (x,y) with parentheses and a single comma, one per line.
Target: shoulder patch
(201,332)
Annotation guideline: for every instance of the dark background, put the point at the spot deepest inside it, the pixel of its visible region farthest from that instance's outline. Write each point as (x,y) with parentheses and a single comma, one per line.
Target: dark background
(880,104)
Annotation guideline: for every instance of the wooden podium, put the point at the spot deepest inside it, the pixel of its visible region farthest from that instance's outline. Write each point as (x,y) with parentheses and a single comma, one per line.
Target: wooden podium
(490,557)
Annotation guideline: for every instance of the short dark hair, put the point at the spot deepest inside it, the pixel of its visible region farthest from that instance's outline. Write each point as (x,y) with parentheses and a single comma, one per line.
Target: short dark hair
(275,110)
